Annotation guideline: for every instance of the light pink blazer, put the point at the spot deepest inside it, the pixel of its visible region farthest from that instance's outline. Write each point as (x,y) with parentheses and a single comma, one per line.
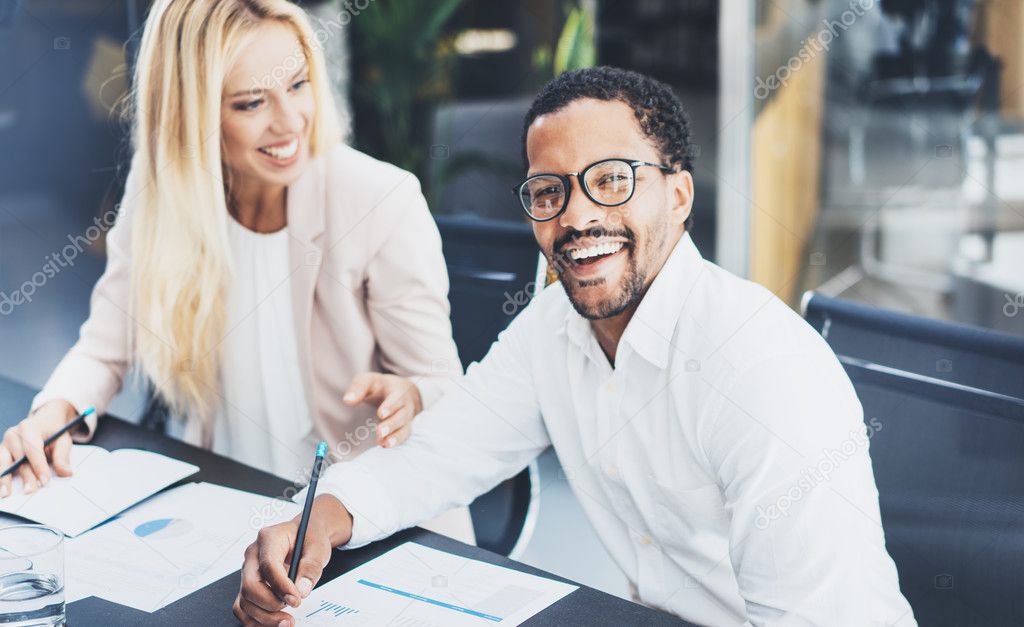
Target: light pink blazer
(369,288)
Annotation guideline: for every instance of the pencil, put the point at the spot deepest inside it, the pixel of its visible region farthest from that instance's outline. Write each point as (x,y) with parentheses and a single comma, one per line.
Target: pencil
(318,461)
(53,438)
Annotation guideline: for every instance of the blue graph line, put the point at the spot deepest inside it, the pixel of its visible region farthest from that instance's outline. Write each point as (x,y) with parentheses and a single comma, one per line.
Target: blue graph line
(338,609)
(464,610)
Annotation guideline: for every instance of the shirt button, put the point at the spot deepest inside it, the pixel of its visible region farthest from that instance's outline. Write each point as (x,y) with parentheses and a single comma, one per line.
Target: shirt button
(645,539)
(611,387)
(612,471)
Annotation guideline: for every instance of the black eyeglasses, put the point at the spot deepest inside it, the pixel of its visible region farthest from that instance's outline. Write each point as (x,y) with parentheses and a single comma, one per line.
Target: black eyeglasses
(609,183)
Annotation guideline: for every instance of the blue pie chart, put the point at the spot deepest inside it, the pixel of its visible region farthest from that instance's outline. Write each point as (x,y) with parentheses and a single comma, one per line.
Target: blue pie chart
(163,528)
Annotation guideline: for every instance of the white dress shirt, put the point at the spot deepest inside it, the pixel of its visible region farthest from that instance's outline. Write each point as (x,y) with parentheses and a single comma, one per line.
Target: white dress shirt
(723,460)
(264,421)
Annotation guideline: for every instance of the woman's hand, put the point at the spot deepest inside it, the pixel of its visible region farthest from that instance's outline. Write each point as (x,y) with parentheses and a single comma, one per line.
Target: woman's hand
(26,438)
(397,399)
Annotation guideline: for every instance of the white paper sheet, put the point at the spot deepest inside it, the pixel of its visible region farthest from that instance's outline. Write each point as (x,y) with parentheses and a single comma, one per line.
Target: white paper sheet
(104,484)
(416,586)
(170,545)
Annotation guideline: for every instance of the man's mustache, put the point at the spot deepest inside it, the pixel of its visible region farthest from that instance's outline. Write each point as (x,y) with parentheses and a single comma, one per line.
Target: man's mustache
(595,233)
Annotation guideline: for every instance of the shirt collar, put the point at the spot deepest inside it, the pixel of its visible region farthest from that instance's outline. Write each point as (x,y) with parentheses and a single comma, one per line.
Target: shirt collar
(652,326)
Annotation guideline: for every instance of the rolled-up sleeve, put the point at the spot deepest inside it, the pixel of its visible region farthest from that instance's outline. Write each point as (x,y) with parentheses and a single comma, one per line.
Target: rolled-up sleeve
(486,429)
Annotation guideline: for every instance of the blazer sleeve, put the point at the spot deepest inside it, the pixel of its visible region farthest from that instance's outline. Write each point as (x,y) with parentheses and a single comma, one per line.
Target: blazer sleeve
(407,296)
(93,370)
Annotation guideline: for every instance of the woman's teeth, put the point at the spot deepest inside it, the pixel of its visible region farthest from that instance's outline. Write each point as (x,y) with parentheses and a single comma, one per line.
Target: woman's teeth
(282,152)
(577,254)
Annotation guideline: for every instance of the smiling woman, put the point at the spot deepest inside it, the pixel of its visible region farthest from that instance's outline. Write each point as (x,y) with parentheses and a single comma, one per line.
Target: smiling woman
(275,286)
(188,180)
(266,116)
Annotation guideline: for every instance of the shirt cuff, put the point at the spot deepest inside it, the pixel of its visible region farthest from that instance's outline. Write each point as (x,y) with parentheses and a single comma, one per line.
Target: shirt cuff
(80,405)
(374,515)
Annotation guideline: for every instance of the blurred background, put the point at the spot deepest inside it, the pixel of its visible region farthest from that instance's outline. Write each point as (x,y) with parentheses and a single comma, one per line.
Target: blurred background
(869,149)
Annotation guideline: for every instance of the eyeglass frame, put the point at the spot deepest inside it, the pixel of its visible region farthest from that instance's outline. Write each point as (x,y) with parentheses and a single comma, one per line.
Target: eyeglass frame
(581,179)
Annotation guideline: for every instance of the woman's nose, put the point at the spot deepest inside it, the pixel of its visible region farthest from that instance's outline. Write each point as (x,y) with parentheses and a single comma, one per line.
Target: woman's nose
(288,118)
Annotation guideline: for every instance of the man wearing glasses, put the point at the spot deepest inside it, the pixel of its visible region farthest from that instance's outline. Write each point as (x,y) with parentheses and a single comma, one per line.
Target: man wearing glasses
(710,435)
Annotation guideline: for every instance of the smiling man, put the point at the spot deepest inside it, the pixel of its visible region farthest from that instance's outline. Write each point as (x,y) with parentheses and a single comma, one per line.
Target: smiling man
(710,435)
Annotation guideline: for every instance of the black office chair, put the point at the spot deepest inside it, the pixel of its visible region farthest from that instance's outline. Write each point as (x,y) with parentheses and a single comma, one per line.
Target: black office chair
(10,10)
(492,269)
(948,458)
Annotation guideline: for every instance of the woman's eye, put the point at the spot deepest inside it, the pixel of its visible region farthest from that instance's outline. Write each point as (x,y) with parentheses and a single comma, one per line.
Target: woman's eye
(297,86)
(249,106)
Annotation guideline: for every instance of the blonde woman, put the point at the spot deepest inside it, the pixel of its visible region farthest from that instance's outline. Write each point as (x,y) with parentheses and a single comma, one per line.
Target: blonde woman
(262,275)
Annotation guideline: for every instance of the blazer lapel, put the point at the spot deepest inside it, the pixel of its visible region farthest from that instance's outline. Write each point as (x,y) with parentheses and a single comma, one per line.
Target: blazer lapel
(306,205)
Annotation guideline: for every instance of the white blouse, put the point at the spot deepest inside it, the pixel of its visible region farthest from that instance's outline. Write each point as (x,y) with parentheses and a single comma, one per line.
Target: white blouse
(264,420)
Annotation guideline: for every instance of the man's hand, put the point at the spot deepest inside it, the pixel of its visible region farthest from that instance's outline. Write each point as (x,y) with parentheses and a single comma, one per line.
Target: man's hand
(265,588)
(398,401)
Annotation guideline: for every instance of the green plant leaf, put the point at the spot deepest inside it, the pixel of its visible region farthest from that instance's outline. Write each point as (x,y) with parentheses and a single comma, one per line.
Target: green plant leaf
(576,43)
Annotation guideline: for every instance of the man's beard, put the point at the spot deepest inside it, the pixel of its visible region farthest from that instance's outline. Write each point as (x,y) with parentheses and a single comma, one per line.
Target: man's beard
(631,288)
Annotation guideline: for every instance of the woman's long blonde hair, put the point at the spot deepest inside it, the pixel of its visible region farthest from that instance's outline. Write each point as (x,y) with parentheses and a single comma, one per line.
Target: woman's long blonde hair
(181,256)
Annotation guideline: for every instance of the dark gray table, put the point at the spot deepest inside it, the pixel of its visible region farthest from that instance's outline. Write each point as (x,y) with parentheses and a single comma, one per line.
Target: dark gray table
(212,605)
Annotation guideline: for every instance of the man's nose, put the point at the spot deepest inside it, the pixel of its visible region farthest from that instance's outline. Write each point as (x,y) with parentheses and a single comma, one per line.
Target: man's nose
(581,212)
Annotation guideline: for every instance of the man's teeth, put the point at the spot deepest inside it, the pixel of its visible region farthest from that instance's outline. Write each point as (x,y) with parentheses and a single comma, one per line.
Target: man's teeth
(601,249)
(282,152)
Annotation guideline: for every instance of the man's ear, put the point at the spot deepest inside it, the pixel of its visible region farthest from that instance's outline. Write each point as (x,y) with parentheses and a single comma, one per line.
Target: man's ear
(680,195)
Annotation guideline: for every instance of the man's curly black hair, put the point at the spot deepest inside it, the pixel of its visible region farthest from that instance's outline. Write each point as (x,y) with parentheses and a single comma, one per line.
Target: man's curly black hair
(658,110)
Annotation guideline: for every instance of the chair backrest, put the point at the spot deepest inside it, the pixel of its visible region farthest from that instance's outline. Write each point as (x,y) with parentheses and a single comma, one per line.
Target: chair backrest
(504,518)
(10,10)
(475,157)
(492,268)
(946,403)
